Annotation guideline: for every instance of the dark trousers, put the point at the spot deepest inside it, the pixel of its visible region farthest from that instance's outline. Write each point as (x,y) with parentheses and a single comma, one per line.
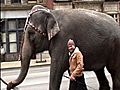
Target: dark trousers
(79,84)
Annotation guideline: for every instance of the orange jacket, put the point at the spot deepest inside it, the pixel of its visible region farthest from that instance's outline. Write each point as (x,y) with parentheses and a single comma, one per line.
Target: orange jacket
(76,63)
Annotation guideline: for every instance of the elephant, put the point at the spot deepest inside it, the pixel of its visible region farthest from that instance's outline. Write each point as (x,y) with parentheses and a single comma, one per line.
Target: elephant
(96,34)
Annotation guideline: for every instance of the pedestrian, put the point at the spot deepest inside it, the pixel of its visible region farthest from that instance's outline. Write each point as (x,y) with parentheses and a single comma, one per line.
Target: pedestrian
(2,53)
(76,67)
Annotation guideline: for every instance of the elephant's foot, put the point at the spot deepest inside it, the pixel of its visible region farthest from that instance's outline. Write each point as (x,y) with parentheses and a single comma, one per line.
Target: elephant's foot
(116,84)
(104,84)
(116,79)
(104,87)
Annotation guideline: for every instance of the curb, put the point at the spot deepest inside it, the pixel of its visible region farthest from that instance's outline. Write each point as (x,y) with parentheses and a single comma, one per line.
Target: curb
(17,64)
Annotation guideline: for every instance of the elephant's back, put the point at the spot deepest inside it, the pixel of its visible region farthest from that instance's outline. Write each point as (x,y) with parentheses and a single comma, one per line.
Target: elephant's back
(82,13)
(86,19)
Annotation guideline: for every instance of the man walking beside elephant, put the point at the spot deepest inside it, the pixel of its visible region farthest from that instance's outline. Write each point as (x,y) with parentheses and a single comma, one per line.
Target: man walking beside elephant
(77,81)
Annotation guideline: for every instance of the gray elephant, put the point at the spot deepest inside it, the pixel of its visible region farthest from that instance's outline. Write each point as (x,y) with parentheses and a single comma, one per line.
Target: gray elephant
(96,34)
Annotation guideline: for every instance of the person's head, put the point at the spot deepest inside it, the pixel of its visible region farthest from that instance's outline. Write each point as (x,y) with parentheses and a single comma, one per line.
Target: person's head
(71,45)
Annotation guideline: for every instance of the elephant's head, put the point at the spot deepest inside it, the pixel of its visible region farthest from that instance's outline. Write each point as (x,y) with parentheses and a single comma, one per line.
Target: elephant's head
(40,27)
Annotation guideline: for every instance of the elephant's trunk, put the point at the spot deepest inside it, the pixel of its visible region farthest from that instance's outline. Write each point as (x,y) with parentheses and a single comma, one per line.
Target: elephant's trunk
(26,55)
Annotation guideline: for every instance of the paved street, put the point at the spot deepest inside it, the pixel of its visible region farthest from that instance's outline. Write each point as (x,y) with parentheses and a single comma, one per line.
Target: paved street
(38,79)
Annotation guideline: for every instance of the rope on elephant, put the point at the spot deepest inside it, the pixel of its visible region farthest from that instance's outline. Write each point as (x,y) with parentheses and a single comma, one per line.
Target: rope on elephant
(81,83)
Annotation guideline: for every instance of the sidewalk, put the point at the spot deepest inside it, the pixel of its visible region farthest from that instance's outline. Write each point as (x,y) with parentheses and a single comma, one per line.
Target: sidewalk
(17,64)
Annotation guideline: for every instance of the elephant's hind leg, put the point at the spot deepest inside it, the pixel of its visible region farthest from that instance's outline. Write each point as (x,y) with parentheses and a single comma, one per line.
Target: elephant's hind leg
(116,79)
(104,84)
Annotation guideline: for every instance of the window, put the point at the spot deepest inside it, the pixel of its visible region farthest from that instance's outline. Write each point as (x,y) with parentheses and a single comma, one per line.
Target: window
(3,34)
(111,0)
(2,24)
(4,40)
(11,24)
(21,23)
(61,0)
(115,16)
(3,37)
(12,42)
(12,30)
(1,1)
(32,1)
(15,1)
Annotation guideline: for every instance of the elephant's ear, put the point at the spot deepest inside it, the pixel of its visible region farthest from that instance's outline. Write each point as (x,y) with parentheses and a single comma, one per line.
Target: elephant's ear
(52,27)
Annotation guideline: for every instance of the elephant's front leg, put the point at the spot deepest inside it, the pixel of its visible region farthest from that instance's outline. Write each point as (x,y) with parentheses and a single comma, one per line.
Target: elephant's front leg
(115,78)
(59,64)
(56,73)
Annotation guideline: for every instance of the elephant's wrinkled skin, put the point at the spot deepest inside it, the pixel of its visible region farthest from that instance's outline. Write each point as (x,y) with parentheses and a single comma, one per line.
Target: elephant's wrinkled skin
(96,34)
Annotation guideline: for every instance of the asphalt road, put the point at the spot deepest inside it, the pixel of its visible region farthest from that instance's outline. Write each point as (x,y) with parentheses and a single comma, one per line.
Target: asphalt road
(38,79)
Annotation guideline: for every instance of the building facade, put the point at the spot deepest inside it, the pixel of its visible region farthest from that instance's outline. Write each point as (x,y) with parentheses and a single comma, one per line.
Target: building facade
(110,7)
(14,13)
(13,17)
